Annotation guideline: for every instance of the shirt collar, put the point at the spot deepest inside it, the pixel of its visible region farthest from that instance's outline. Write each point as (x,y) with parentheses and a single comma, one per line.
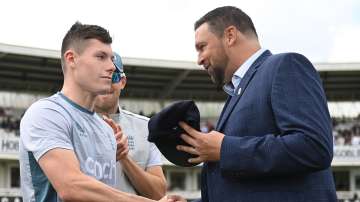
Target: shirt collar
(229,88)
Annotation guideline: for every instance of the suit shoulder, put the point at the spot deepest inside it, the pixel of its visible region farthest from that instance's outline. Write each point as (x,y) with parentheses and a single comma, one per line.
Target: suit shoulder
(287,60)
(135,116)
(287,56)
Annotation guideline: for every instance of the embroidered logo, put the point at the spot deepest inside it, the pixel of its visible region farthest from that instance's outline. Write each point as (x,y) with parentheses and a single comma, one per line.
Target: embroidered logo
(131,142)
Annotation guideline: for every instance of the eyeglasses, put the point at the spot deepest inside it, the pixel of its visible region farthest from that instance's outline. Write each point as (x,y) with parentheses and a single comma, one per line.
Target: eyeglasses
(117,76)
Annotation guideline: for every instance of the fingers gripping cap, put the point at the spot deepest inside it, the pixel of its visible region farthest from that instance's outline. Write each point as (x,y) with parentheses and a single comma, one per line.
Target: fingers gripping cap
(165,132)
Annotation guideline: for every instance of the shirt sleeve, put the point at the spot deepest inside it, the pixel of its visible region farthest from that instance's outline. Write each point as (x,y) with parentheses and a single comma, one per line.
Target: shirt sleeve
(154,157)
(45,127)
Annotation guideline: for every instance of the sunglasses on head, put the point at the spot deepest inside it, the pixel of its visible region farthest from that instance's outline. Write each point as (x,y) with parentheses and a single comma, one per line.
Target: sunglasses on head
(116,76)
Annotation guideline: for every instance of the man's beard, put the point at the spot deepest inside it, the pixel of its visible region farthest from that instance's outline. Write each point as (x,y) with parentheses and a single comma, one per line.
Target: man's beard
(218,78)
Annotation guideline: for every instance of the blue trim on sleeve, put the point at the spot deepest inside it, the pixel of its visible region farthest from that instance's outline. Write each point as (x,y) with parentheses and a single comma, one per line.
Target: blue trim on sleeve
(44,191)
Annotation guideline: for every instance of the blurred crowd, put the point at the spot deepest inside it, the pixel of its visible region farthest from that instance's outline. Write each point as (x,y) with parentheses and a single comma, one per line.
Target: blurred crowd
(9,122)
(346,131)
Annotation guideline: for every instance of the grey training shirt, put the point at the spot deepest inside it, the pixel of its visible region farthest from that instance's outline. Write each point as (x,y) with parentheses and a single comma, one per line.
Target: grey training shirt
(57,122)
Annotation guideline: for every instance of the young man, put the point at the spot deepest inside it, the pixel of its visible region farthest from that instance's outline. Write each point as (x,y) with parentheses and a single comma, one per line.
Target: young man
(67,152)
(139,170)
(273,140)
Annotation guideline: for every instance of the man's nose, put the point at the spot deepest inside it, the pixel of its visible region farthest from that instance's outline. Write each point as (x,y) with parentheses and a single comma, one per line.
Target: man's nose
(111,66)
(200,60)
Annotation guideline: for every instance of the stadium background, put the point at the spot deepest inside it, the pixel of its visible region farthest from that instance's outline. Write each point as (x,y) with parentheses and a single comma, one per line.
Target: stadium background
(27,74)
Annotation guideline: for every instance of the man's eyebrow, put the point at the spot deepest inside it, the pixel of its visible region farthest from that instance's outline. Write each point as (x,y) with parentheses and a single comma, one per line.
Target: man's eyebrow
(198,45)
(105,53)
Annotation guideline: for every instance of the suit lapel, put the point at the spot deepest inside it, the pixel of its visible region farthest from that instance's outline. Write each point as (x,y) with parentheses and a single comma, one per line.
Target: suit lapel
(228,108)
(222,112)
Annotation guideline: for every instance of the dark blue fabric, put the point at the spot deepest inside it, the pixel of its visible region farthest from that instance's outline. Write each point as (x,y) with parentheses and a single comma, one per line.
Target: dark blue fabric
(278,137)
(164,130)
(44,191)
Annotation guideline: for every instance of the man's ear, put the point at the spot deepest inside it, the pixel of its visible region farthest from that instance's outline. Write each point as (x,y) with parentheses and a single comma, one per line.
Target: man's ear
(123,82)
(69,57)
(230,35)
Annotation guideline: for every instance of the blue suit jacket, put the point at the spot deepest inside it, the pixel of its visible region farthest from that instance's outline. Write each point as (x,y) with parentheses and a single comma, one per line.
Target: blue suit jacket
(278,137)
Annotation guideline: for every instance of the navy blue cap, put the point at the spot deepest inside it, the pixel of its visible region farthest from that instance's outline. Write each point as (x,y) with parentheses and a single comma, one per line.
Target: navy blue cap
(164,130)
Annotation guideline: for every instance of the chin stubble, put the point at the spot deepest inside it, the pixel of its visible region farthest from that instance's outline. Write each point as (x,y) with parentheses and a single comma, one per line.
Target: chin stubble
(218,79)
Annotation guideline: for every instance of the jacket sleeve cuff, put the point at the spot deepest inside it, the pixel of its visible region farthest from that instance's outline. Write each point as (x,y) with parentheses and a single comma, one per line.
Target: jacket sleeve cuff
(229,152)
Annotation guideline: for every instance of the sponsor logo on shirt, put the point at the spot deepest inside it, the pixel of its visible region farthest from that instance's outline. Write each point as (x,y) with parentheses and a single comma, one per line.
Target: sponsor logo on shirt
(103,171)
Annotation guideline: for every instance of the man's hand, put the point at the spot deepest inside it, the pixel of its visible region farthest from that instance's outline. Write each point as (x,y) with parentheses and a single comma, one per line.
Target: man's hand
(172,198)
(122,149)
(205,145)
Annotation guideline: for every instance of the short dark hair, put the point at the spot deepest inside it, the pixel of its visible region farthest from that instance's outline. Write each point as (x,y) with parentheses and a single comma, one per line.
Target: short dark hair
(79,33)
(221,18)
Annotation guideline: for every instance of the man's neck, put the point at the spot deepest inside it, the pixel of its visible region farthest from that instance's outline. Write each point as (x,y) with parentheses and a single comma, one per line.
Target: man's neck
(106,112)
(80,97)
(240,55)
